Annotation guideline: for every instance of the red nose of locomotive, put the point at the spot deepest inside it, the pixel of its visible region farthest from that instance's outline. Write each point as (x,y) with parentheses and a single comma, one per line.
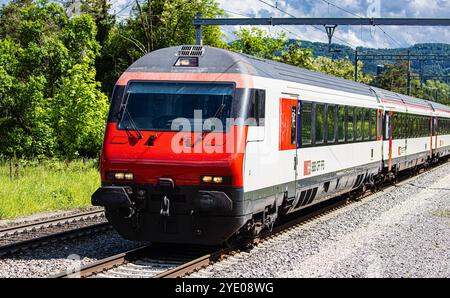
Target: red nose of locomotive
(202,159)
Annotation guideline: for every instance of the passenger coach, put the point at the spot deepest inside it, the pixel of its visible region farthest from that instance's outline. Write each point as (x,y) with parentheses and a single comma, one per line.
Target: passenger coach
(205,145)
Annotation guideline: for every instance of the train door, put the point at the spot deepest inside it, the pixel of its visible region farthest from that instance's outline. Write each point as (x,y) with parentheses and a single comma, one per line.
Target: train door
(435,135)
(403,145)
(388,136)
(289,110)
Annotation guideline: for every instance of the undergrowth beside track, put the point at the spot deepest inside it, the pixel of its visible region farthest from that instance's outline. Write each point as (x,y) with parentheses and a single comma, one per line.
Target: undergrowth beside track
(46,186)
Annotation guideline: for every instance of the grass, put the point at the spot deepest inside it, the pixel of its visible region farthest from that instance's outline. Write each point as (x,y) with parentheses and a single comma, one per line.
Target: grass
(46,186)
(442,213)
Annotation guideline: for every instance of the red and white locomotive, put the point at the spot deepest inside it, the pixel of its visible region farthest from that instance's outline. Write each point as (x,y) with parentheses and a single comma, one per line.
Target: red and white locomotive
(205,145)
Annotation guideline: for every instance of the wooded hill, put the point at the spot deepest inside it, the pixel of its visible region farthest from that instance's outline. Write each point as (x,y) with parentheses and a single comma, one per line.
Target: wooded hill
(433,68)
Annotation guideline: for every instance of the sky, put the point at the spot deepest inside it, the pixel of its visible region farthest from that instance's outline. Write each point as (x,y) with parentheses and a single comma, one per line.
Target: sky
(367,36)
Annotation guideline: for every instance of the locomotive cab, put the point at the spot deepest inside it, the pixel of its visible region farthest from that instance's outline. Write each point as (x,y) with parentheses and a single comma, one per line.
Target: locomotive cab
(172,157)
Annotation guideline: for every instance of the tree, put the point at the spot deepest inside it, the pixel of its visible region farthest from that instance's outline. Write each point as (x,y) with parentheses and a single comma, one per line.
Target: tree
(155,24)
(99,11)
(393,77)
(432,90)
(254,41)
(340,68)
(40,50)
(297,56)
(78,112)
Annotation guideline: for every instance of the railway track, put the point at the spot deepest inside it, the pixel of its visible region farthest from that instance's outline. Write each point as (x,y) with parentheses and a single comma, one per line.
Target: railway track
(33,226)
(149,261)
(36,234)
(154,261)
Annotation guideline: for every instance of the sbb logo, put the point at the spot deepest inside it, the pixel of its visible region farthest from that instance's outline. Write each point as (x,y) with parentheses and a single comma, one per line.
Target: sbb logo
(307,168)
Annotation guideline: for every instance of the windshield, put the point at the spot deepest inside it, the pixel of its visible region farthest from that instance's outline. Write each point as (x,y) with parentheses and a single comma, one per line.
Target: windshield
(155,106)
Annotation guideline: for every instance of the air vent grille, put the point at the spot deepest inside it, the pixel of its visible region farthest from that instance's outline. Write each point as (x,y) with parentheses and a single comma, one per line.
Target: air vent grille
(191,51)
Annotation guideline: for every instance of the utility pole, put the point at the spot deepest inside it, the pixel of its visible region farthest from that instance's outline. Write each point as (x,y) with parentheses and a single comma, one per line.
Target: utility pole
(356,65)
(198,30)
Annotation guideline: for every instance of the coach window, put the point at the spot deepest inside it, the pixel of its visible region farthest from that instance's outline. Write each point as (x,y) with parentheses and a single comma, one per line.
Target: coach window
(426,126)
(341,123)
(331,115)
(306,121)
(404,132)
(416,128)
(403,127)
(422,129)
(358,129)
(422,126)
(366,124)
(373,125)
(395,125)
(320,123)
(400,126)
(408,125)
(350,124)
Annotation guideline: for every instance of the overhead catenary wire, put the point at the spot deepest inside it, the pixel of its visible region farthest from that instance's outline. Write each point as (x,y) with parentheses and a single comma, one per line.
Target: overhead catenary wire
(291,15)
(246,16)
(359,16)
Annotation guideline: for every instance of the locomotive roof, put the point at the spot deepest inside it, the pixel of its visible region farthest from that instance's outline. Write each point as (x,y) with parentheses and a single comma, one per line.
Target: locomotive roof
(215,60)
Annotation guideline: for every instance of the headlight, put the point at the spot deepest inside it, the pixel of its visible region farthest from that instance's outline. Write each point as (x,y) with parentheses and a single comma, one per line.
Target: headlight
(207,179)
(216,179)
(119,176)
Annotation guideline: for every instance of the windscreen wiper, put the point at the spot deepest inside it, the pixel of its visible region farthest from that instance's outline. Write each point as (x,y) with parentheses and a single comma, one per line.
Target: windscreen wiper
(131,121)
(205,132)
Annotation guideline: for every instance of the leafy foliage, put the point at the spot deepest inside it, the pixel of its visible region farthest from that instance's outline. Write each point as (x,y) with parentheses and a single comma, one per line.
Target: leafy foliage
(40,52)
(256,42)
(394,78)
(340,68)
(297,56)
(154,24)
(78,113)
(427,67)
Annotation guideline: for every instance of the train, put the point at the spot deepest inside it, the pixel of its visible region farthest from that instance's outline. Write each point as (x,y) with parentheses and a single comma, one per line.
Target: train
(209,146)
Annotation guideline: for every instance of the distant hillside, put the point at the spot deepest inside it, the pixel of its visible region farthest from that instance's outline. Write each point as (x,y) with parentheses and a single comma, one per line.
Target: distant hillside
(345,52)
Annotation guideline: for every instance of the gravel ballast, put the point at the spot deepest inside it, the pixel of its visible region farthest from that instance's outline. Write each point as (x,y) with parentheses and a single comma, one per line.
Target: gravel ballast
(52,259)
(403,231)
